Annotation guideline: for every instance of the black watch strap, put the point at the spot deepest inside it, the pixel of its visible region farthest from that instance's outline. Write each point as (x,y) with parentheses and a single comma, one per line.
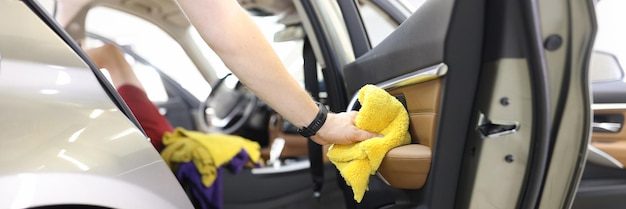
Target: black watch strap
(317,123)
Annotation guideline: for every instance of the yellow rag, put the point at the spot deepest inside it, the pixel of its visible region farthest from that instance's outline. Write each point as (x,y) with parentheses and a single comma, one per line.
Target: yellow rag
(380,113)
(207,151)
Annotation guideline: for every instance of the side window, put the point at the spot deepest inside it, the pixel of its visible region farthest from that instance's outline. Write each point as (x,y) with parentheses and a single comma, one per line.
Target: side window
(148,76)
(377,24)
(154,45)
(286,41)
(611,31)
(48,5)
(377,16)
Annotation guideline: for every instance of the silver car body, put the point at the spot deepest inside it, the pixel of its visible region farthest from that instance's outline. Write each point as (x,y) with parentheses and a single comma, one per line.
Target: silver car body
(64,141)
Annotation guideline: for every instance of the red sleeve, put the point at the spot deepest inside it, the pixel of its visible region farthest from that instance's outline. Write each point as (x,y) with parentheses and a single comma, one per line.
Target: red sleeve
(152,122)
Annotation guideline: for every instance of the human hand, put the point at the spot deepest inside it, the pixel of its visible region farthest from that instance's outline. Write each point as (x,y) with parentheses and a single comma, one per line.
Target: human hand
(106,56)
(339,128)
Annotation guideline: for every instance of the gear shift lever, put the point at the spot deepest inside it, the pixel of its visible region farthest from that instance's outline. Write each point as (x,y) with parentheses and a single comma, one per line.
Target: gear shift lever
(275,150)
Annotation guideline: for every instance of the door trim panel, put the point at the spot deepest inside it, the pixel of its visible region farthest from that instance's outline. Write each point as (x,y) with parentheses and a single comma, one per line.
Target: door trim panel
(419,76)
(407,167)
(597,156)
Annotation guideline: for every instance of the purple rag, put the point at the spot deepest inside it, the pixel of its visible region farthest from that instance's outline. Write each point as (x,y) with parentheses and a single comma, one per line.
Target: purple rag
(208,197)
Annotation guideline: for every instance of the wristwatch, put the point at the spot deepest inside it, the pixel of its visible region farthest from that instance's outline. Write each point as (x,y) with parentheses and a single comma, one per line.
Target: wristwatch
(317,123)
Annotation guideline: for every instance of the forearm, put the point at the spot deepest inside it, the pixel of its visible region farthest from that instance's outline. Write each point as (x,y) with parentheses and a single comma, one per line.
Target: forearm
(112,59)
(240,44)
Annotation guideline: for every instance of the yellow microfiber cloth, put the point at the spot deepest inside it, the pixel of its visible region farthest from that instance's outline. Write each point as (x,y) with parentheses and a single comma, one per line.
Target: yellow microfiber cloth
(207,151)
(380,113)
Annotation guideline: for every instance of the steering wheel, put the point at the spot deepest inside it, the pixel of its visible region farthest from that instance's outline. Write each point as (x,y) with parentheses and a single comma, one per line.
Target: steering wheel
(227,109)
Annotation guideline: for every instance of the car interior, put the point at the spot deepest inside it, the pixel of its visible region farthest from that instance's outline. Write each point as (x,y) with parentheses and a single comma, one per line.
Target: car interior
(176,81)
(230,108)
(427,58)
(602,184)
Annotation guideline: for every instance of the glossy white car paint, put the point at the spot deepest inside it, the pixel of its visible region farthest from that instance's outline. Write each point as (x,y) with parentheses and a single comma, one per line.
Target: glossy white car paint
(63,141)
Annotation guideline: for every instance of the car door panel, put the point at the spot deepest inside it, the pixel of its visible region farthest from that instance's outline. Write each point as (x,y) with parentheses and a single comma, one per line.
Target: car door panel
(502,70)
(422,101)
(616,149)
(416,44)
(603,184)
(407,167)
(609,92)
(495,50)
(429,37)
(613,141)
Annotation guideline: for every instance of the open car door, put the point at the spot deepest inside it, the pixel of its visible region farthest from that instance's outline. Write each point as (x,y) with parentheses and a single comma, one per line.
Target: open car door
(497,93)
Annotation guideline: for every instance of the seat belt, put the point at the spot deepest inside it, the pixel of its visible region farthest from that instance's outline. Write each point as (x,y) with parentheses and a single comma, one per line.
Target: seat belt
(311,84)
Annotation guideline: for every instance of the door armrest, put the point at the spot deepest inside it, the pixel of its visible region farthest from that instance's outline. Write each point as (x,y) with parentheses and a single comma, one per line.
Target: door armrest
(406,167)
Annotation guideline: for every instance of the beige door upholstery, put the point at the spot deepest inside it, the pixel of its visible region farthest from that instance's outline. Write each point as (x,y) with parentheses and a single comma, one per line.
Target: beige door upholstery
(404,167)
(613,144)
(407,167)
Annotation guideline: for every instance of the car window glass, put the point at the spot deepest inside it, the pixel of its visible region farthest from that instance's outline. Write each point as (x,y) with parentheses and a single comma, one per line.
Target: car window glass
(289,51)
(409,6)
(147,75)
(377,23)
(151,43)
(611,30)
(48,5)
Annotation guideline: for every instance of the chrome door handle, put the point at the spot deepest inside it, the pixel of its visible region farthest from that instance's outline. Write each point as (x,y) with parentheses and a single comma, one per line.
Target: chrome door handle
(608,127)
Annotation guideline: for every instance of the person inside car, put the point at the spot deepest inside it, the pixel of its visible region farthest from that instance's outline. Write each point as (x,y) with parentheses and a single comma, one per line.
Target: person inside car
(201,173)
(230,32)
(132,91)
